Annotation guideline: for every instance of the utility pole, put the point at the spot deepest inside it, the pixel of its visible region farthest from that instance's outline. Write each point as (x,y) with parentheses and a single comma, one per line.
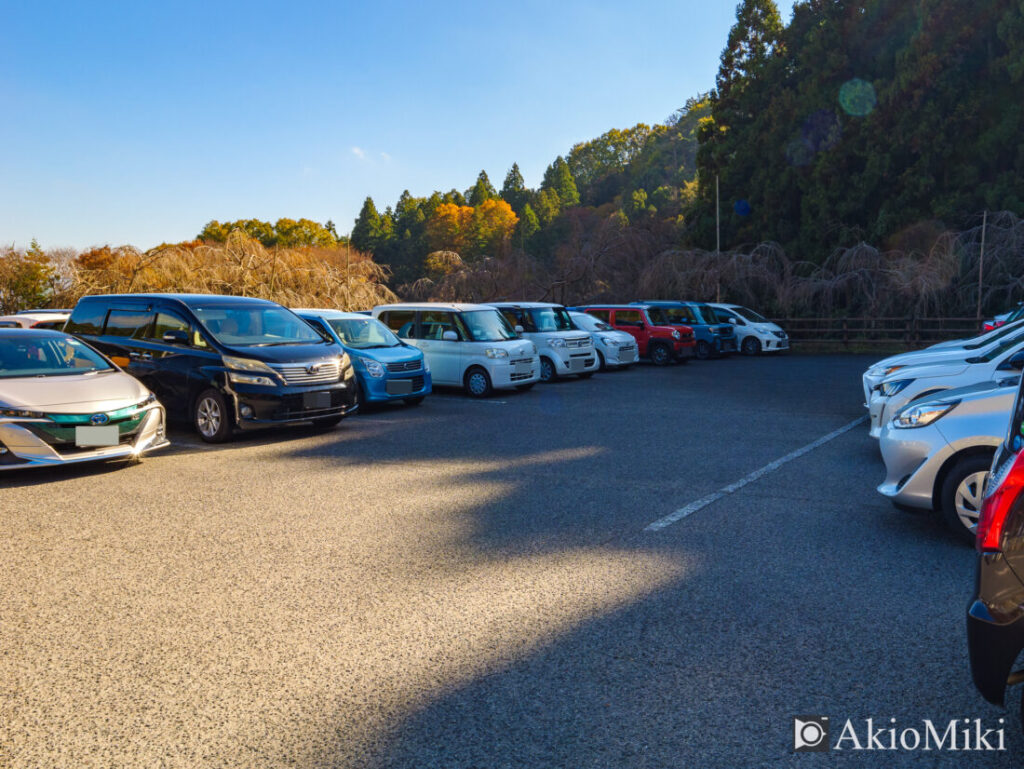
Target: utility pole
(981,260)
(348,276)
(718,243)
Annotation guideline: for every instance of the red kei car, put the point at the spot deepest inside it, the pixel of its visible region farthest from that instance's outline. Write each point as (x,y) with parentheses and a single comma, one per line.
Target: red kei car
(661,344)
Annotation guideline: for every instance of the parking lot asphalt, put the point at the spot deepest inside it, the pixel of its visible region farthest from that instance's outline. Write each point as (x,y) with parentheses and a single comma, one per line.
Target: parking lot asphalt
(470,584)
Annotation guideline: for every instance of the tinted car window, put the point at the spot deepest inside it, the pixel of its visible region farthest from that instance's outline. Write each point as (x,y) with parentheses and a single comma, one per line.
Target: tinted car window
(87,319)
(628,318)
(402,322)
(128,323)
(604,315)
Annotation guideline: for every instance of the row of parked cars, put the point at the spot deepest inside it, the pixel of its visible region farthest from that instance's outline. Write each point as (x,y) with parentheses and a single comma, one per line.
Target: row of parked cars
(104,384)
(950,424)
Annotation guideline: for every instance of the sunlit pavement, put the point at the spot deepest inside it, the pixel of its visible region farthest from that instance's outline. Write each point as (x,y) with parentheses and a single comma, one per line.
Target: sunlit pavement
(469,584)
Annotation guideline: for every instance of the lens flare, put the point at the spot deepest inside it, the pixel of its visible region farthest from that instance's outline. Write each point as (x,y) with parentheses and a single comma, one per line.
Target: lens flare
(857,97)
(742,207)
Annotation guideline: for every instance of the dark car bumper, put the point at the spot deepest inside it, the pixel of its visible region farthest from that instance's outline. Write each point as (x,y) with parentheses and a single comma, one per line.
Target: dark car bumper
(263,407)
(995,626)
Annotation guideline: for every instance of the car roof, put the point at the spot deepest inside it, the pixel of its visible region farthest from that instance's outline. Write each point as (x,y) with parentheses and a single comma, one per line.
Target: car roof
(525,305)
(453,306)
(185,299)
(327,313)
(623,306)
(31,333)
(36,315)
(43,311)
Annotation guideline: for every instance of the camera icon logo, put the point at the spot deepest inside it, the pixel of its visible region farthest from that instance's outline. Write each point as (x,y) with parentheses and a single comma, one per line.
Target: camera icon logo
(810,734)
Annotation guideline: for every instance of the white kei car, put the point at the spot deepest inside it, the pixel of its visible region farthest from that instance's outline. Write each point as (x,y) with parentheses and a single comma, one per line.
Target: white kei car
(465,345)
(564,350)
(615,349)
(912,383)
(754,332)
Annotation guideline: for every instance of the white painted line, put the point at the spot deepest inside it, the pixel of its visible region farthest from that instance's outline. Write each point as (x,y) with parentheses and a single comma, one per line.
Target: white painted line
(771,467)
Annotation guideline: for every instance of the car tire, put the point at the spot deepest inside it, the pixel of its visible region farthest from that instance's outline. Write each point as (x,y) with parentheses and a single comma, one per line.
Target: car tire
(703,349)
(961,494)
(751,346)
(548,372)
(477,382)
(210,417)
(415,400)
(661,355)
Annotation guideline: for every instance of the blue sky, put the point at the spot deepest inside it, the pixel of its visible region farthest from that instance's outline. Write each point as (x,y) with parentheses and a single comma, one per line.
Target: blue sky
(137,122)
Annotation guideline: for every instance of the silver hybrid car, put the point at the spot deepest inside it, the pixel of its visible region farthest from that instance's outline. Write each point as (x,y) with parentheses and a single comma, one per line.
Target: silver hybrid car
(61,402)
(938,450)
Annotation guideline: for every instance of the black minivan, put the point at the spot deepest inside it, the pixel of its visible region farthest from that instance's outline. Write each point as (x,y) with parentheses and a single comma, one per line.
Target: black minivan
(221,362)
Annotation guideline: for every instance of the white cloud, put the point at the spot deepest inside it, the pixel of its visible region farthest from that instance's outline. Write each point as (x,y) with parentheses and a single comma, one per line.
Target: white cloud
(359,152)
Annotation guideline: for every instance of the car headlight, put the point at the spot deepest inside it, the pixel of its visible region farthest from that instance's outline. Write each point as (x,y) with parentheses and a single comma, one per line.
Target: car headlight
(609,341)
(883,371)
(556,342)
(676,334)
(922,414)
(496,352)
(891,388)
(236,377)
(23,413)
(248,365)
(373,367)
(151,398)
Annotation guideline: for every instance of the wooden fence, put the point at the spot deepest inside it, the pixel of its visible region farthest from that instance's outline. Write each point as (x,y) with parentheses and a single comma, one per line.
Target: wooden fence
(870,333)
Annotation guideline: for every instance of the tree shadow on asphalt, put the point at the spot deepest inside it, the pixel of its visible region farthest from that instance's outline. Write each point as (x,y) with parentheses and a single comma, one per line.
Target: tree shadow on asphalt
(804,595)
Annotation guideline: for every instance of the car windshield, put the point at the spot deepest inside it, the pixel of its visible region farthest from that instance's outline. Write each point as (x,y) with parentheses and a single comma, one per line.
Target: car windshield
(991,336)
(488,326)
(746,314)
(364,333)
(255,325)
(48,356)
(549,319)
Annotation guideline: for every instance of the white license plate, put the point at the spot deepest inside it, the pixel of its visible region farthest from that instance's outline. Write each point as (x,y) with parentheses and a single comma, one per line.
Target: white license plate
(398,386)
(91,436)
(576,364)
(521,368)
(316,400)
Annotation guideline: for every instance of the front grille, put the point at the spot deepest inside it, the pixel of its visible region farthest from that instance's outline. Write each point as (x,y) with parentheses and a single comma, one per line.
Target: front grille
(408,365)
(520,377)
(522,360)
(417,383)
(299,373)
(578,341)
(627,348)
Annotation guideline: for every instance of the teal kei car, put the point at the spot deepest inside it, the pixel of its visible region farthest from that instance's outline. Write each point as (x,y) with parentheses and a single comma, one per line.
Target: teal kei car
(387,369)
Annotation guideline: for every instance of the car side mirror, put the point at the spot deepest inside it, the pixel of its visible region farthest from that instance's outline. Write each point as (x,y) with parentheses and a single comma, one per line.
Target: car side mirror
(733,321)
(176,336)
(449,336)
(519,330)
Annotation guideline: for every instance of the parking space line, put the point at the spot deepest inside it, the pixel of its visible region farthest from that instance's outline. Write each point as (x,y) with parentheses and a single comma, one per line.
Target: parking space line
(771,467)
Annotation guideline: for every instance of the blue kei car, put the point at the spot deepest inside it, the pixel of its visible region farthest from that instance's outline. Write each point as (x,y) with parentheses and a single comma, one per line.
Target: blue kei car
(387,369)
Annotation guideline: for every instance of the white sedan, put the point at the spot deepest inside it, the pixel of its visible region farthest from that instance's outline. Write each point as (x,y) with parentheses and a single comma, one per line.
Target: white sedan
(912,383)
(615,349)
(956,350)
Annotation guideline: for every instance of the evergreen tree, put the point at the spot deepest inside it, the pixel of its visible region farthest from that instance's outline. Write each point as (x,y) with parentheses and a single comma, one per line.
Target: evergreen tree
(528,226)
(558,179)
(513,191)
(482,191)
(368,232)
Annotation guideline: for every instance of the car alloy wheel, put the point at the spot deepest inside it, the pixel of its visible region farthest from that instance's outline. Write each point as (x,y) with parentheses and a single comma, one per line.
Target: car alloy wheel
(547,370)
(211,418)
(968,498)
(751,346)
(478,383)
(660,355)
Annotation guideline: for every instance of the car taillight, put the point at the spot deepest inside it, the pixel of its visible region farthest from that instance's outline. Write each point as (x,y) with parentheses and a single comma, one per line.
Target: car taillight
(1005,488)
